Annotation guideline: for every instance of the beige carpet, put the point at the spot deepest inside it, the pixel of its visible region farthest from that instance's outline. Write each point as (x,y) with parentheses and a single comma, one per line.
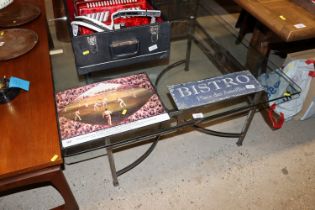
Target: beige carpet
(273,170)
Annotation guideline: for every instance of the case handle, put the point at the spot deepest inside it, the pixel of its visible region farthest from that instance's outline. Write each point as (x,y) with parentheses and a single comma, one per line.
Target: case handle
(124,49)
(276,123)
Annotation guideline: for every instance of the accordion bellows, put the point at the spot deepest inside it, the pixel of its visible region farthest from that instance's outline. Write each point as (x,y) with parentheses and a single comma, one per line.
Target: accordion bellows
(101,10)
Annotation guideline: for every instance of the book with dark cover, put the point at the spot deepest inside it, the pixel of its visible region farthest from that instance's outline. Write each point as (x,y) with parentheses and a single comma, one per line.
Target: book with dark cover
(106,108)
(202,92)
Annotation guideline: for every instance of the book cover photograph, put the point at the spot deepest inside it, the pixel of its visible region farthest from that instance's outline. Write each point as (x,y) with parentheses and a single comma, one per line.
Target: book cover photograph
(106,108)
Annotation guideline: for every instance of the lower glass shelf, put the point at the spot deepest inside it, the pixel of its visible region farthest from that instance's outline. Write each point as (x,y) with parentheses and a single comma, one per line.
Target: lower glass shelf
(211,51)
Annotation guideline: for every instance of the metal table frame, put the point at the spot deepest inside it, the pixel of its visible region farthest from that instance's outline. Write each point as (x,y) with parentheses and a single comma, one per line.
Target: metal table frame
(176,115)
(196,124)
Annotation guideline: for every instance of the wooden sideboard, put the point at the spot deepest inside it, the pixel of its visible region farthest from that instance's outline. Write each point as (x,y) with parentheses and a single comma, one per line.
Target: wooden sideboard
(280,25)
(30,151)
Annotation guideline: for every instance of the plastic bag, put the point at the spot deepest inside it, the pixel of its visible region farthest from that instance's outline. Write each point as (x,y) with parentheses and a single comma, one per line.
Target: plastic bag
(298,71)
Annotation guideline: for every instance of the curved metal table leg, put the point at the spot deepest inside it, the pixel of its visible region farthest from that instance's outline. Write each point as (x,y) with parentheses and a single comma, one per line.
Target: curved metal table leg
(140,159)
(167,69)
(116,173)
(217,133)
(249,119)
(186,61)
(240,135)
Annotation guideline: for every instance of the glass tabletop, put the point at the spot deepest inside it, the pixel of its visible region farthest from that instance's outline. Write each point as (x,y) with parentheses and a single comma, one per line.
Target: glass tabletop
(214,51)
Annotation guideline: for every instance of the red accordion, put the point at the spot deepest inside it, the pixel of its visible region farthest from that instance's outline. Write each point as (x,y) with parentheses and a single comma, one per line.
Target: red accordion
(108,34)
(103,10)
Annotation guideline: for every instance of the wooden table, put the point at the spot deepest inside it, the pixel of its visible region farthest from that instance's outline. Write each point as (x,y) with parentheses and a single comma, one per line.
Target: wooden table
(276,24)
(30,153)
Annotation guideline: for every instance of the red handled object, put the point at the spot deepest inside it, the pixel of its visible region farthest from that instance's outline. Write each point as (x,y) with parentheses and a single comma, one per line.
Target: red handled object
(310,61)
(311,73)
(276,123)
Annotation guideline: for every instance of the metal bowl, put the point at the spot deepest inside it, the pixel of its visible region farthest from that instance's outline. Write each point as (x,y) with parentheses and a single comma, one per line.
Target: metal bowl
(7,94)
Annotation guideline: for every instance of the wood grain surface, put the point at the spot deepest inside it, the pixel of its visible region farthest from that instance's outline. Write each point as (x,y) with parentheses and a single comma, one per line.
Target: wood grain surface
(28,127)
(282,17)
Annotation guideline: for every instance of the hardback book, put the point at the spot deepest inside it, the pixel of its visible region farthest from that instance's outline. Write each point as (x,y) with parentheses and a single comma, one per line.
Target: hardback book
(106,108)
(215,89)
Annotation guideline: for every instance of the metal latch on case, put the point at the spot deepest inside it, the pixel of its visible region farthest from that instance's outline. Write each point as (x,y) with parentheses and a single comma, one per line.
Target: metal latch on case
(154,30)
(92,42)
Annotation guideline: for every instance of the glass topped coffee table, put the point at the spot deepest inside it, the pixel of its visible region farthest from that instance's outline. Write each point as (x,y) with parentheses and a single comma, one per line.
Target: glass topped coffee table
(204,45)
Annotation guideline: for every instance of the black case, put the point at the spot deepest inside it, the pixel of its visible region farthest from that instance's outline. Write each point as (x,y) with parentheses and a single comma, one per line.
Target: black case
(106,50)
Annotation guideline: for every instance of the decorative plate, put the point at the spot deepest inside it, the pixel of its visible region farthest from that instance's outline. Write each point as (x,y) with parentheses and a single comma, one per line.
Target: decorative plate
(17,14)
(16,42)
